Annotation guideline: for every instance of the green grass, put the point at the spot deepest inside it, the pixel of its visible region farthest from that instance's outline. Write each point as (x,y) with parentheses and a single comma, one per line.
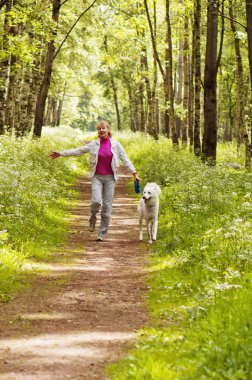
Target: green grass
(200,271)
(36,198)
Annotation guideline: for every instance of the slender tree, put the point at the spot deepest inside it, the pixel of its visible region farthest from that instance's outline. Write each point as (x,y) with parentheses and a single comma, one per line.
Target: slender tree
(170,77)
(249,33)
(239,120)
(43,90)
(4,65)
(197,63)
(186,83)
(210,85)
(151,126)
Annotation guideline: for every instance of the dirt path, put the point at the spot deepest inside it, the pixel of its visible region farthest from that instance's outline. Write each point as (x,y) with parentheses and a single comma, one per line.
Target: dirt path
(84,312)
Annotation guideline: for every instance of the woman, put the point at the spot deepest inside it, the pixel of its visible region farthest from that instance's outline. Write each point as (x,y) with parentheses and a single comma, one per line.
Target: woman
(104,159)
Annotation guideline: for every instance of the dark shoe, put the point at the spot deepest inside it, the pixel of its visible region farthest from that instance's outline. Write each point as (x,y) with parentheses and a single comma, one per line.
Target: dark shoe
(91,227)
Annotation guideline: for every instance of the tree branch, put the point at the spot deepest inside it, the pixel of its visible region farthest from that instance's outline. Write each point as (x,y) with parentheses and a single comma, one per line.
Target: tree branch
(153,40)
(237,22)
(121,11)
(68,33)
(64,2)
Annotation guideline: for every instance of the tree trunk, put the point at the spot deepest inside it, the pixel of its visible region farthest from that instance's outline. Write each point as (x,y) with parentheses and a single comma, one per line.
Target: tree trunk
(210,112)
(10,97)
(24,101)
(240,118)
(44,88)
(157,116)
(54,111)
(4,66)
(197,88)
(170,76)
(18,92)
(136,112)
(166,93)
(249,33)
(178,86)
(36,81)
(48,111)
(153,113)
(114,88)
(133,126)
(141,94)
(60,106)
(24,123)
(186,84)
(191,100)
(248,153)
(144,60)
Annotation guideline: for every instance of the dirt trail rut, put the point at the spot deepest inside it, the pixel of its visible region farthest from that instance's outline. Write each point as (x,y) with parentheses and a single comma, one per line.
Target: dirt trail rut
(84,311)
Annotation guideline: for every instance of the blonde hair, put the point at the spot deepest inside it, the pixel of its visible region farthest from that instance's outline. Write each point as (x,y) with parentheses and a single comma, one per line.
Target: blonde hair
(103,123)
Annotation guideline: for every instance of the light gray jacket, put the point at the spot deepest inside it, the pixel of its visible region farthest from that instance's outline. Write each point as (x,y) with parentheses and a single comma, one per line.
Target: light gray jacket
(93,148)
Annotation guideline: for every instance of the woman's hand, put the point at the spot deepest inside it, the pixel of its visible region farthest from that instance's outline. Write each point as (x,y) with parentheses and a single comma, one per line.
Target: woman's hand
(54,155)
(136,176)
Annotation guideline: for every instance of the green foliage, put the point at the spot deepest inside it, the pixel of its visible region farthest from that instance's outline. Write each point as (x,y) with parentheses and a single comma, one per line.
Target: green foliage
(200,272)
(34,194)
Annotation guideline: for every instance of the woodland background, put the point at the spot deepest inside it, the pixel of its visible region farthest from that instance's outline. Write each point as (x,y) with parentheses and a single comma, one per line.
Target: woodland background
(178,68)
(171,74)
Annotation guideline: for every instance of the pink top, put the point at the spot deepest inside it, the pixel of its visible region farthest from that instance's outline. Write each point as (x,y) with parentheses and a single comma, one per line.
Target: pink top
(104,157)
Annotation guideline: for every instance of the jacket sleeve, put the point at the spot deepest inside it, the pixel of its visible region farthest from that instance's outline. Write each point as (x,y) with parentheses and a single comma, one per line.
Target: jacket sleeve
(124,158)
(76,151)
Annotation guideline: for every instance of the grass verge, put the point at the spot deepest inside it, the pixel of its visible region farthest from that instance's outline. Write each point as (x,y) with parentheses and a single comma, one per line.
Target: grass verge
(200,271)
(37,195)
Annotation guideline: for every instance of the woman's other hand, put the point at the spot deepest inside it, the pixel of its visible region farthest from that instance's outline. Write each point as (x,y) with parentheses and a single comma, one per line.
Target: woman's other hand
(54,155)
(136,176)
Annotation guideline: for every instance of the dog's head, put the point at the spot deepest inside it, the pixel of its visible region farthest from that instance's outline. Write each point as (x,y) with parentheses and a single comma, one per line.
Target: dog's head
(151,190)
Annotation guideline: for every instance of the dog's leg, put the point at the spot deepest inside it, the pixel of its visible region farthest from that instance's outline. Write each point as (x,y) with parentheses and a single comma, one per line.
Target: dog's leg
(140,227)
(149,227)
(155,227)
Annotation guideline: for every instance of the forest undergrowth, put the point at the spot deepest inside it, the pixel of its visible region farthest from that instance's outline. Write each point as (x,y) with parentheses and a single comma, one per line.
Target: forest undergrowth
(199,281)
(36,196)
(200,273)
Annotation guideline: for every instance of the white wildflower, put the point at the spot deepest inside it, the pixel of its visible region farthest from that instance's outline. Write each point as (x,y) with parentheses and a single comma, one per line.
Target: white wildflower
(246,205)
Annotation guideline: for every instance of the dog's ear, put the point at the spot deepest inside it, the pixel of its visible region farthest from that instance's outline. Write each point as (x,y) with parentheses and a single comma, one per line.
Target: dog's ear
(157,189)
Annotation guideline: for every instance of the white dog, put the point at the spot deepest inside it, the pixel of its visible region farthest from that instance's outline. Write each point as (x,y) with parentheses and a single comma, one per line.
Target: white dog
(148,210)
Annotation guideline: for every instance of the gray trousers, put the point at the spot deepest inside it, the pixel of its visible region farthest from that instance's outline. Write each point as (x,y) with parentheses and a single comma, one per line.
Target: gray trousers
(103,187)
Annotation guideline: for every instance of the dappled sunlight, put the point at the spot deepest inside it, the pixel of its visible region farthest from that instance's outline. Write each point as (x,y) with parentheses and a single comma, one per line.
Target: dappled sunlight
(167,263)
(101,266)
(49,348)
(124,199)
(125,221)
(119,231)
(124,204)
(45,316)
(129,222)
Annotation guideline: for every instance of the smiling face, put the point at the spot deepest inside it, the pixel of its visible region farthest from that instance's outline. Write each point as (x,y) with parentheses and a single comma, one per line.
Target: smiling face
(103,129)
(148,193)
(151,190)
